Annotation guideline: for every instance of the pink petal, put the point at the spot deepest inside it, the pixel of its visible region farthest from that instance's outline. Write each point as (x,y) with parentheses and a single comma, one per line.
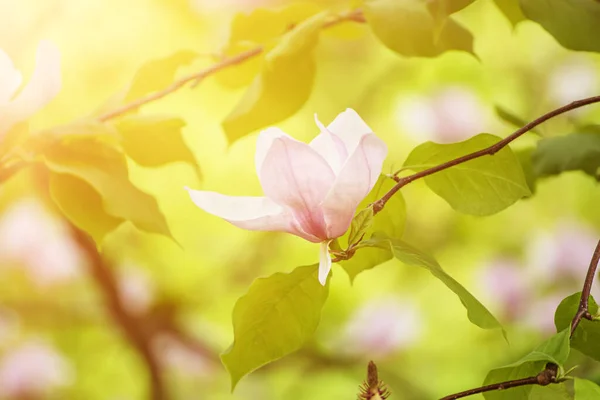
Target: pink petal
(350,128)
(252,213)
(330,147)
(43,86)
(354,182)
(263,145)
(294,175)
(324,262)
(10,78)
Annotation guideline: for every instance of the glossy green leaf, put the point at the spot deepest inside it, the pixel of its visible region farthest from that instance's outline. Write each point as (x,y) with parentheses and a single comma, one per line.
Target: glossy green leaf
(555,350)
(104,168)
(360,224)
(283,85)
(275,318)
(586,338)
(573,23)
(586,390)
(408,28)
(511,10)
(262,26)
(152,140)
(158,74)
(482,186)
(385,247)
(574,152)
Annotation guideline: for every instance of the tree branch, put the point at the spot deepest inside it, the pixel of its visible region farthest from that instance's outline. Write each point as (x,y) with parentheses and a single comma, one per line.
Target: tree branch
(355,16)
(583,311)
(493,149)
(129,324)
(544,378)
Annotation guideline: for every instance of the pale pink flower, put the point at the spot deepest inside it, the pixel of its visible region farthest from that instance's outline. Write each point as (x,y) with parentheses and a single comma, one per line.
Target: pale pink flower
(42,87)
(136,289)
(32,370)
(506,284)
(382,326)
(311,190)
(573,80)
(451,115)
(32,238)
(177,356)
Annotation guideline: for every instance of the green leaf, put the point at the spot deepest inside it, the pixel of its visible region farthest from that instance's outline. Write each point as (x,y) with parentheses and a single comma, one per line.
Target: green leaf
(152,140)
(555,350)
(104,169)
(262,27)
(525,158)
(360,224)
(586,390)
(283,85)
(586,338)
(482,186)
(158,74)
(511,118)
(573,23)
(511,10)
(275,318)
(407,254)
(577,151)
(408,28)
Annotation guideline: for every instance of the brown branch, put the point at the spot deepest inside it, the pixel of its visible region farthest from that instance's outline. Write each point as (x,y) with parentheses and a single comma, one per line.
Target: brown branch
(493,149)
(544,378)
(129,324)
(355,16)
(582,311)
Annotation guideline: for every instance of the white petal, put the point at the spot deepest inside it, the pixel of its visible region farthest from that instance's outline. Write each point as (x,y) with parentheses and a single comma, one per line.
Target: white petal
(353,184)
(330,147)
(43,86)
(252,213)
(263,144)
(10,78)
(349,127)
(324,262)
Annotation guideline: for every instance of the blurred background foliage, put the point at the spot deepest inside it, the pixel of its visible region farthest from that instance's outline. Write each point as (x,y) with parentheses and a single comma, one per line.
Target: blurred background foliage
(57,338)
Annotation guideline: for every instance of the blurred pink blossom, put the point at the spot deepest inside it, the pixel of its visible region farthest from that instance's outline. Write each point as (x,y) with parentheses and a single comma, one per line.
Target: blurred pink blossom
(312,190)
(452,114)
(179,357)
(136,289)
(573,80)
(382,326)
(506,284)
(540,314)
(32,370)
(564,252)
(34,239)
(43,86)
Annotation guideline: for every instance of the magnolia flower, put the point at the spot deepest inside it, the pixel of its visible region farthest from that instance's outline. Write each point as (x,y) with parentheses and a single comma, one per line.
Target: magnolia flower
(42,87)
(311,190)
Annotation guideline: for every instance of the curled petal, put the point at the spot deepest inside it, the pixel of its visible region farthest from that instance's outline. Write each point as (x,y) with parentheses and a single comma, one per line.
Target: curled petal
(264,143)
(353,184)
(252,213)
(294,175)
(324,262)
(43,86)
(350,128)
(10,78)
(330,147)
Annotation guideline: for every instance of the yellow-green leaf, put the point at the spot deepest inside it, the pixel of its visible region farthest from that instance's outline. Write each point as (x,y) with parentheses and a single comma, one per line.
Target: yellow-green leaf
(283,85)
(82,205)
(586,390)
(260,27)
(158,74)
(104,168)
(408,28)
(154,140)
(482,186)
(276,317)
(360,224)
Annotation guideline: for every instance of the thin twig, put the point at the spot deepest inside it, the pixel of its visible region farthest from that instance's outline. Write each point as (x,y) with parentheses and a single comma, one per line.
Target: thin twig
(544,378)
(493,149)
(355,16)
(582,311)
(131,327)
